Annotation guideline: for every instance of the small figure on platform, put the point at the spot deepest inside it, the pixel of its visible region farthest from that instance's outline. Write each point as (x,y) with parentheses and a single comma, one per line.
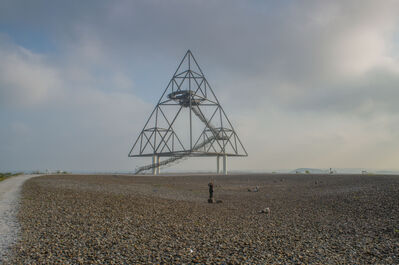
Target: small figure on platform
(210,185)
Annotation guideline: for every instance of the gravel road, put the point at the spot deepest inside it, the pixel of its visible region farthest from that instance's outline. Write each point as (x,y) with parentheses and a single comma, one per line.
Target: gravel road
(9,200)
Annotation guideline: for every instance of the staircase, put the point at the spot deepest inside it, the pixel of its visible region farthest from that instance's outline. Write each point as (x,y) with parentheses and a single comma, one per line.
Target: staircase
(216,134)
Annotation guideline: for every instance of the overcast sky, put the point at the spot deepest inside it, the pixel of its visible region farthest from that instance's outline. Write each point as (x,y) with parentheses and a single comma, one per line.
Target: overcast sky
(305,83)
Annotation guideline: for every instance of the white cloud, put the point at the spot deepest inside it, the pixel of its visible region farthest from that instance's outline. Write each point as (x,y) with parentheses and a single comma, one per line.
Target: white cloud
(310,83)
(71,117)
(25,78)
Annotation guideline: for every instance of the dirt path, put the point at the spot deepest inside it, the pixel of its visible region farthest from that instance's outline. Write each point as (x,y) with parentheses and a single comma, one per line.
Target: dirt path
(9,197)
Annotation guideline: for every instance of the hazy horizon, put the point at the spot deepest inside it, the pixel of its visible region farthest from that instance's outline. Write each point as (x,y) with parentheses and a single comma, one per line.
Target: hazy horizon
(169,171)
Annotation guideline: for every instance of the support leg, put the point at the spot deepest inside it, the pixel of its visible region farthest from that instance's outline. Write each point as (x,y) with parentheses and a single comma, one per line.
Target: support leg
(224,165)
(154,160)
(158,168)
(217,164)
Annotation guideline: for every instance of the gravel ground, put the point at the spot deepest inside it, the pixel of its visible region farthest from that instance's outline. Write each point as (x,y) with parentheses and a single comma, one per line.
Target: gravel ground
(339,219)
(9,199)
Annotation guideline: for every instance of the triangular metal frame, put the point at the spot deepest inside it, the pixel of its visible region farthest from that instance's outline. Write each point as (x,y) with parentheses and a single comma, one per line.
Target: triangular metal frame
(189,90)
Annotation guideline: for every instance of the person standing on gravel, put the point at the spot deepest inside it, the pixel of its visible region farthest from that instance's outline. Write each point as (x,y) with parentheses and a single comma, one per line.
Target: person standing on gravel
(210,185)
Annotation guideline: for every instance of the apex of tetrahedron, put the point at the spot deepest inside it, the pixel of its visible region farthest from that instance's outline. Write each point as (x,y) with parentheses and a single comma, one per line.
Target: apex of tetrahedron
(188,65)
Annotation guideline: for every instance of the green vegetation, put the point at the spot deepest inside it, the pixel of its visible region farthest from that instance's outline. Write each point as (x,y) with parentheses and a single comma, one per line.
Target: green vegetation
(38,172)
(3,176)
(61,172)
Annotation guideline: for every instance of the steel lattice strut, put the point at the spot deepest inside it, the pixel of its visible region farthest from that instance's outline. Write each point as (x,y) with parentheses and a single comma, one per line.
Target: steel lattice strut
(170,132)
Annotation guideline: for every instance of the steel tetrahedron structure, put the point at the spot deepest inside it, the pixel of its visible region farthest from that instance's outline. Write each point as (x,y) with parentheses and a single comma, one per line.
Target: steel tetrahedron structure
(187,121)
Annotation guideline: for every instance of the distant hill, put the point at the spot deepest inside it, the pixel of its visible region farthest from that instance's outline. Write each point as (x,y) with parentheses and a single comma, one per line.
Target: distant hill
(387,172)
(343,171)
(311,171)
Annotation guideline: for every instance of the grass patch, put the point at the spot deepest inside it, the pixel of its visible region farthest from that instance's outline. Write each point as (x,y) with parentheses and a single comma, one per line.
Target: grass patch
(6,175)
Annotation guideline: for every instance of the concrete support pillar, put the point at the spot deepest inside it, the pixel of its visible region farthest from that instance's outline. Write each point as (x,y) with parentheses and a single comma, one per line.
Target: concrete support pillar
(154,160)
(224,165)
(158,167)
(217,164)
